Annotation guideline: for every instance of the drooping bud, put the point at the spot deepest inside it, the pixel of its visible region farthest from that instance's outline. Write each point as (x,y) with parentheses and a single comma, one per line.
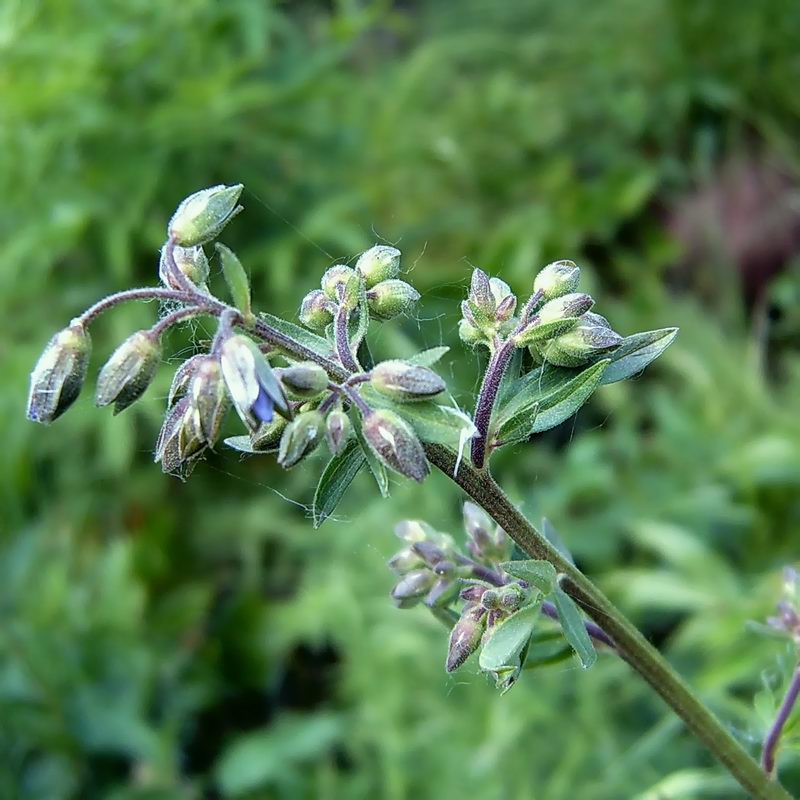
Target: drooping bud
(268,435)
(389,299)
(59,374)
(302,435)
(202,215)
(304,379)
(183,377)
(191,261)
(340,284)
(251,383)
(405,382)
(180,442)
(379,263)
(557,279)
(404,561)
(588,340)
(316,311)
(130,370)
(394,442)
(466,636)
(208,398)
(412,587)
(337,430)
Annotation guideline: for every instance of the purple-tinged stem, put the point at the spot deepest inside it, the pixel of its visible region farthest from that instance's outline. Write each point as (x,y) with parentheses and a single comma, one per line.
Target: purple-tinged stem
(178,316)
(146,293)
(180,279)
(357,400)
(343,340)
(486,400)
(595,631)
(773,737)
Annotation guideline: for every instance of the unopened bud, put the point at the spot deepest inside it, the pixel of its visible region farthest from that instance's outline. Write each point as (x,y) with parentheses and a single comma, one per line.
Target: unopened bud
(59,374)
(183,377)
(487,542)
(469,334)
(405,561)
(379,263)
(389,299)
(589,339)
(191,261)
(180,441)
(430,553)
(565,306)
(414,530)
(202,216)
(557,279)
(130,370)
(465,636)
(316,311)
(405,382)
(268,436)
(506,308)
(337,430)
(304,379)
(301,437)
(500,290)
(512,597)
(443,592)
(555,317)
(394,442)
(340,284)
(481,298)
(209,398)
(412,587)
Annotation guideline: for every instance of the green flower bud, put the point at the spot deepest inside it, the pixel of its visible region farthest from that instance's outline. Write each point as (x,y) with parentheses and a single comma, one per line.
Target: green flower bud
(405,561)
(301,437)
(268,435)
(58,376)
(415,530)
(469,334)
(557,279)
(379,263)
(481,297)
(389,299)
(191,261)
(340,284)
(180,441)
(183,377)
(337,430)
(304,379)
(500,290)
(412,587)
(394,442)
(209,398)
(442,593)
(130,370)
(568,305)
(405,382)
(316,311)
(202,216)
(465,638)
(512,597)
(588,340)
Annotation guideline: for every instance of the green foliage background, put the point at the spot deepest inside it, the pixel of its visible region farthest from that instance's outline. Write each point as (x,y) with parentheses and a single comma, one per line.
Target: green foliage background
(162,641)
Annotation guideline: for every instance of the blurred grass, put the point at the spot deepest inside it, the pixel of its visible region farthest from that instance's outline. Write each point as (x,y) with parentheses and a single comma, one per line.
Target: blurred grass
(162,640)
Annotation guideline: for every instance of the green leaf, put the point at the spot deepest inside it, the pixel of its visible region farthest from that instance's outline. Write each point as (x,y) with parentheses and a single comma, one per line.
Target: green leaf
(636,352)
(554,537)
(503,649)
(574,627)
(236,278)
(541,574)
(376,468)
(308,339)
(335,480)
(427,358)
(244,445)
(510,377)
(545,400)
(358,330)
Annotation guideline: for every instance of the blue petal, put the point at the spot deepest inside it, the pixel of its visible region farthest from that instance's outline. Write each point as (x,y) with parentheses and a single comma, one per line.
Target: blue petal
(263,406)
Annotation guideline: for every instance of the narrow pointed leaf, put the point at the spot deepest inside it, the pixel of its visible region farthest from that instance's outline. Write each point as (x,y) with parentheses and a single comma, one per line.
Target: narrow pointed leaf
(540,574)
(236,278)
(377,470)
(636,352)
(574,627)
(335,480)
(505,643)
(305,337)
(427,358)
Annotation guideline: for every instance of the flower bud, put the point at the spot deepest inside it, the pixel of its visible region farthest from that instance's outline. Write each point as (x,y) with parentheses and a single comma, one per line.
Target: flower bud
(337,430)
(302,435)
(565,306)
(251,383)
(512,597)
(469,334)
(506,308)
(202,216)
(394,442)
(442,593)
(555,317)
(130,370)
(481,297)
(557,279)
(589,339)
(486,541)
(59,374)
(404,561)
(391,298)
(183,377)
(191,261)
(429,552)
(500,290)
(414,530)
(268,435)
(379,263)
(340,284)
(209,398)
(405,382)
(412,587)
(466,636)
(304,379)
(180,442)
(316,311)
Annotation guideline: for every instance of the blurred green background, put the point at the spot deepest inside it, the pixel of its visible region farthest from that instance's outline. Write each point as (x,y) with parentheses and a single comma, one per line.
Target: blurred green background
(168,641)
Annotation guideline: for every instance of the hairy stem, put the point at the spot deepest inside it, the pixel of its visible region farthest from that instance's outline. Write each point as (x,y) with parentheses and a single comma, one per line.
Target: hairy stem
(486,400)
(179,316)
(146,293)
(773,737)
(628,641)
(342,337)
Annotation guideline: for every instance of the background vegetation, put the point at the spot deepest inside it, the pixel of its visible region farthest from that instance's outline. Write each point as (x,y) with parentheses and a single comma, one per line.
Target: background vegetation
(162,641)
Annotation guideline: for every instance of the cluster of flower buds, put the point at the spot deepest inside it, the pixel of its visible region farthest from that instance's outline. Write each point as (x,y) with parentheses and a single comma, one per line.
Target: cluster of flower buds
(375,274)
(488,311)
(487,542)
(787,619)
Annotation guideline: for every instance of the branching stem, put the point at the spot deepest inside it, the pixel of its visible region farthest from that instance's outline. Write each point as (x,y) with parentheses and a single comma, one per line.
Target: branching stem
(773,737)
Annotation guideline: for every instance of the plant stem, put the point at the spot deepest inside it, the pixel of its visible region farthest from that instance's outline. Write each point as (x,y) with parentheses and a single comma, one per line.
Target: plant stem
(343,340)
(773,736)
(630,644)
(178,316)
(146,293)
(486,400)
